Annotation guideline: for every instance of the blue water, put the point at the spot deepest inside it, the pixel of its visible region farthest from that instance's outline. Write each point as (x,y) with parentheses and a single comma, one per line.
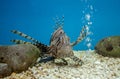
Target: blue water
(35,18)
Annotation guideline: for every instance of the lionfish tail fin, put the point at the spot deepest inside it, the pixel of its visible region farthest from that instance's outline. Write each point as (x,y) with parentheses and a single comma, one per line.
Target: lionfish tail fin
(24,35)
(83,34)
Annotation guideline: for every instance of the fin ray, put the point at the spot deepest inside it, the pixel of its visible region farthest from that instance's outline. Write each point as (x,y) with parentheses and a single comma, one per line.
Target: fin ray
(24,35)
(20,42)
(83,34)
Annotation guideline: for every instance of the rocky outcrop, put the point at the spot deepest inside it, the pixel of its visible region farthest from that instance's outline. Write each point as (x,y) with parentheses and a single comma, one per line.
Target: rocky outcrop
(109,46)
(17,58)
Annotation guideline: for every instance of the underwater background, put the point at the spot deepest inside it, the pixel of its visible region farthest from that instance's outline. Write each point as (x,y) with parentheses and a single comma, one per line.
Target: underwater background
(36,19)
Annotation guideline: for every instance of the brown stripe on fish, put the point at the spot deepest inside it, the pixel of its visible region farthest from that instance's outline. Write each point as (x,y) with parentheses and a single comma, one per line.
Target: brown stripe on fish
(24,35)
(20,42)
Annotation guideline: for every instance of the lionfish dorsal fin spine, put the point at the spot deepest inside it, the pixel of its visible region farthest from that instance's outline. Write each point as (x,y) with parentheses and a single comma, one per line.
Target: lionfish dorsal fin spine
(59,22)
(24,35)
(20,42)
(41,46)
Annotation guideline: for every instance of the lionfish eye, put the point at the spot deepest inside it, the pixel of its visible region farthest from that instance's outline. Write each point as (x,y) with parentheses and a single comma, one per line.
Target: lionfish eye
(60,32)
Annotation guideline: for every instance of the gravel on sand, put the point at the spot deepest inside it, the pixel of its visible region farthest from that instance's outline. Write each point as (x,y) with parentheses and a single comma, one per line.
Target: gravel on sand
(94,67)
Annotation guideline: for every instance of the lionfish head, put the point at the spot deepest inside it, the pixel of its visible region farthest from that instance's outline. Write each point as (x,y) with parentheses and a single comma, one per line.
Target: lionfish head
(57,35)
(60,44)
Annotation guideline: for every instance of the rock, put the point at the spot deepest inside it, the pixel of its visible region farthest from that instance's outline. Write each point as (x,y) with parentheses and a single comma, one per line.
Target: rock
(109,46)
(17,58)
(4,70)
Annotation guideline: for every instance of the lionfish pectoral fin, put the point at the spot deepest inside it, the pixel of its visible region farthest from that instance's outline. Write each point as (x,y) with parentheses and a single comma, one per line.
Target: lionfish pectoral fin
(46,59)
(77,60)
(65,62)
(24,35)
(83,34)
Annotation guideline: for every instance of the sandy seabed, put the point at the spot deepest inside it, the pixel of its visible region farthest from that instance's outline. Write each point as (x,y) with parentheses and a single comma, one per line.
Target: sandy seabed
(94,67)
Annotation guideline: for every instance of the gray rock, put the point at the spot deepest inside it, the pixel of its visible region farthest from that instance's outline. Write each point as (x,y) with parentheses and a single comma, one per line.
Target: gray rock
(18,57)
(109,46)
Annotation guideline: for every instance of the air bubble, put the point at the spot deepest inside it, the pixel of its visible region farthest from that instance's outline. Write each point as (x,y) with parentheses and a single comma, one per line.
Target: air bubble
(87,17)
(87,21)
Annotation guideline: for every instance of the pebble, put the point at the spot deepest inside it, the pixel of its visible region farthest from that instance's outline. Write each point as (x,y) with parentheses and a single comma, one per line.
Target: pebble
(92,68)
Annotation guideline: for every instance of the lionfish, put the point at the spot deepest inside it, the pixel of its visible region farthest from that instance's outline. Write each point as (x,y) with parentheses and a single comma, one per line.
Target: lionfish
(60,46)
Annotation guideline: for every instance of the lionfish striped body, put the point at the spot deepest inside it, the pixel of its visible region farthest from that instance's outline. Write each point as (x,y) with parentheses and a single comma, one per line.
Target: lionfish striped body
(60,46)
